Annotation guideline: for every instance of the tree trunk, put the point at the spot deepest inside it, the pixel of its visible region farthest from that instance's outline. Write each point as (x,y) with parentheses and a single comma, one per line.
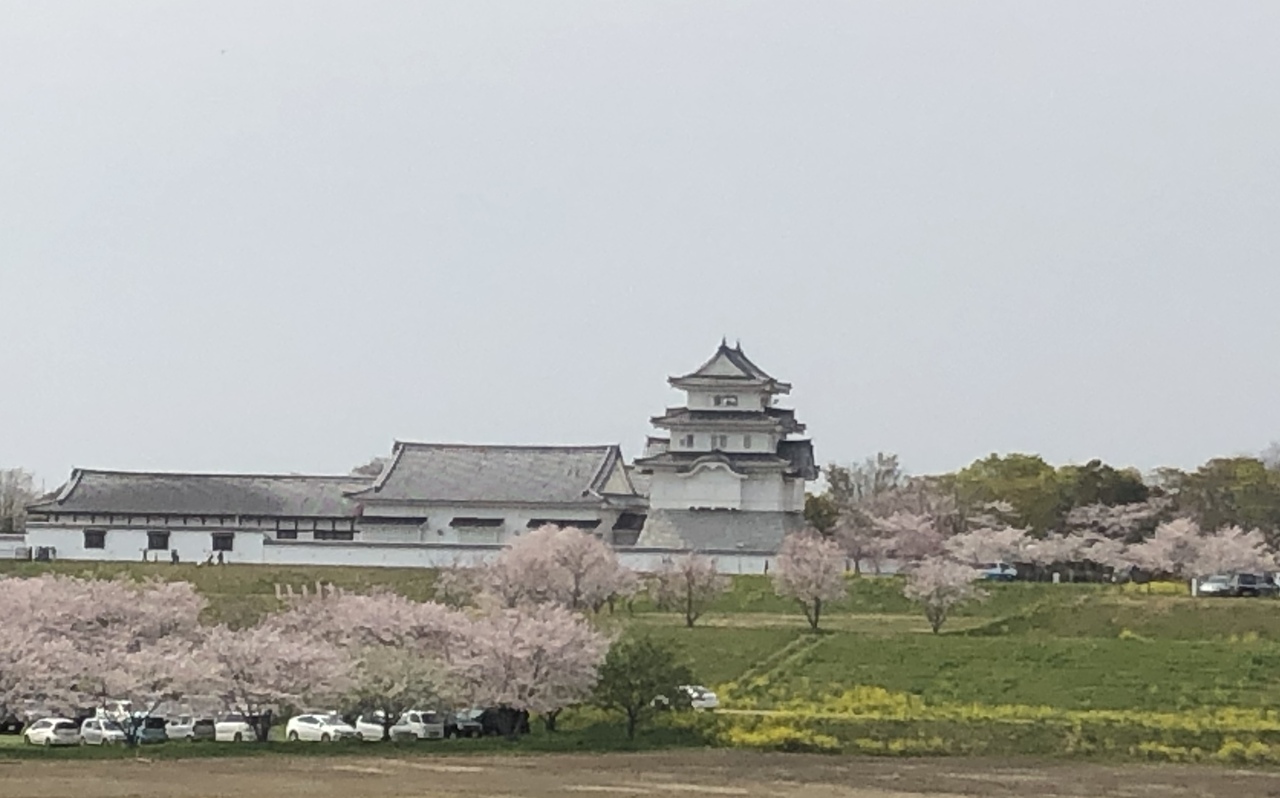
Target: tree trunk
(631,724)
(262,726)
(549,720)
(817,614)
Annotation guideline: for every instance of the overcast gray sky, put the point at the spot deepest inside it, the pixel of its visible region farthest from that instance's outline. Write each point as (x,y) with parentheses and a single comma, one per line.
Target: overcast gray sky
(274,236)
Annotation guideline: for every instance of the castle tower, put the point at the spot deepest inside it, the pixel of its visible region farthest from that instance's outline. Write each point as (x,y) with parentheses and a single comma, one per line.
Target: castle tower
(729,461)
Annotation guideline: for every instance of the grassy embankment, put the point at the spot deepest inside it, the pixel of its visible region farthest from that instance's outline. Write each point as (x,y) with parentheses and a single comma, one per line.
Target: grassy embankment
(1043,669)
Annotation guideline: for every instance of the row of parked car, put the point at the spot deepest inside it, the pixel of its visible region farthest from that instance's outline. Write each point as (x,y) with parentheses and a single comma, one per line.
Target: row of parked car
(104,726)
(102,729)
(1240,586)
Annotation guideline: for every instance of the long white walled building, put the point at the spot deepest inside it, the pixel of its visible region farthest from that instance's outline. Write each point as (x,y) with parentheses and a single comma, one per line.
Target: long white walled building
(731,485)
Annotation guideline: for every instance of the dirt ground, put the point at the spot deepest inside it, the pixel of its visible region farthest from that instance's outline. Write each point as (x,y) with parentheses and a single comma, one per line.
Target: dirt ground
(679,773)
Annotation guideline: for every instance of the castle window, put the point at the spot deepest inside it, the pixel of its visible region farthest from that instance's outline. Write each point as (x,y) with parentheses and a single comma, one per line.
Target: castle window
(719,441)
(687,441)
(331,534)
(725,401)
(95,538)
(158,541)
(464,522)
(746,441)
(224,541)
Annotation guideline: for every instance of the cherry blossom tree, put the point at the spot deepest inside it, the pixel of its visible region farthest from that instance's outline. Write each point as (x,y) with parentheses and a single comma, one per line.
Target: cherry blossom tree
(257,670)
(555,565)
(457,584)
(1231,550)
(939,585)
(1173,549)
(531,658)
(913,537)
(863,542)
(383,618)
(687,584)
(810,569)
(988,545)
(1120,521)
(388,681)
(400,651)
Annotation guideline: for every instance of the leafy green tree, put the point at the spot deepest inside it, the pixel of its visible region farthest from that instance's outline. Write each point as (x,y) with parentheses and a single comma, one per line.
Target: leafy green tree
(1228,491)
(821,512)
(1098,483)
(1025,481)
(635,672)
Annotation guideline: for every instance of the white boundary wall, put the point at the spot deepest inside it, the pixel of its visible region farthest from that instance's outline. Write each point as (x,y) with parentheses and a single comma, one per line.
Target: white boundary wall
(251,546)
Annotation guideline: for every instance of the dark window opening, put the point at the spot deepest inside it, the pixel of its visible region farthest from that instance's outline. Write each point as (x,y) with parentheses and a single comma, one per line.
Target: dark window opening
(629,521)
(158,541)
(475,522)
(581,523)
(95,538)
(394,520)
(286,534)
(224,541)
(332,534)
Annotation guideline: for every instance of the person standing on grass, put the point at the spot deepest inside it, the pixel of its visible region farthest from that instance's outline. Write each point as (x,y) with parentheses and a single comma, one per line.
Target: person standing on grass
(173,556)
(220,560)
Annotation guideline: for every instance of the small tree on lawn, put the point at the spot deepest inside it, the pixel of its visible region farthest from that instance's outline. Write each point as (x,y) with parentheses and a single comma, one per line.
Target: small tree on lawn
(635,672)
(687,585)
(939,585)
(810,570)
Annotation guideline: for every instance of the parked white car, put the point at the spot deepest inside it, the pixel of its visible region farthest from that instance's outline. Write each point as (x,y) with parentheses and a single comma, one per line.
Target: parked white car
(419,724)
(318,728)
(190,727)
(101,731)
(700,697)
(52,731)
(234,728)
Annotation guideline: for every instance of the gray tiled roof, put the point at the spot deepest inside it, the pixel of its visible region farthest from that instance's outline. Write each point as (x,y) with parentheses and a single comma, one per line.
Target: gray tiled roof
(800,454)
(739,360)
(783,416)
(428,472)
(717,530)
(125,492)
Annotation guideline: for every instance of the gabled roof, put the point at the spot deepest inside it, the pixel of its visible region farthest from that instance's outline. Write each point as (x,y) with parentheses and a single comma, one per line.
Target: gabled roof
(729,365)
(438,472)
(160,493)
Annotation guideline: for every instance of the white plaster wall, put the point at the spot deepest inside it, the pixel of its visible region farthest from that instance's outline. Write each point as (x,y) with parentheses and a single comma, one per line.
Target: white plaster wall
(704,399)
(437,530)
(650,560)
(375,555)
(252,547)
(708,486)
(124,545)
(795,495)
(765,492)
(9,545)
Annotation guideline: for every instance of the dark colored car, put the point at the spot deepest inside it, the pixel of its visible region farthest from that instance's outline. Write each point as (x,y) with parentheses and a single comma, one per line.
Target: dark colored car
(504,720)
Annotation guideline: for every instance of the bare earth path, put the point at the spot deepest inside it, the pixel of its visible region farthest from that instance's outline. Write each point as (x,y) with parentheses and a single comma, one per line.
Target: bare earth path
(676,773)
